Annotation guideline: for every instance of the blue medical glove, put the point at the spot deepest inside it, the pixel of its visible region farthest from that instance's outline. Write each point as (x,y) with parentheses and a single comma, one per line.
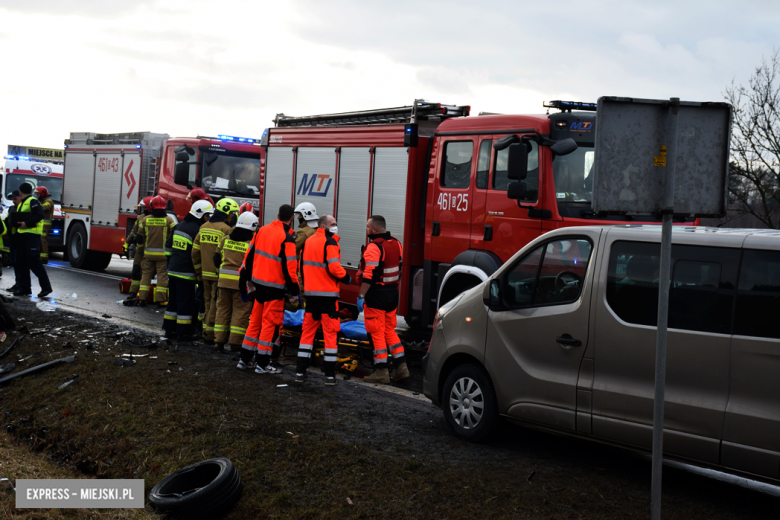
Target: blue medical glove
(360,304)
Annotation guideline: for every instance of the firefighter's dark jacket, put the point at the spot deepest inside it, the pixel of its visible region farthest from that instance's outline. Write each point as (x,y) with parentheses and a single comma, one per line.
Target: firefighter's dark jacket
(178,248)
(30,218)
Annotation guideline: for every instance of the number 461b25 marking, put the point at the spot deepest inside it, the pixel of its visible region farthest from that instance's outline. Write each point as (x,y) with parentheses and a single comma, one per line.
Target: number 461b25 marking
(453,202)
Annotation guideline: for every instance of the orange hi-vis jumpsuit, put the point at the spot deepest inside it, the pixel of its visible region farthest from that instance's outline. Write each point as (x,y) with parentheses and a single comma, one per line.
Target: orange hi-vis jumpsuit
(321,272)
(269,264)
(383,271)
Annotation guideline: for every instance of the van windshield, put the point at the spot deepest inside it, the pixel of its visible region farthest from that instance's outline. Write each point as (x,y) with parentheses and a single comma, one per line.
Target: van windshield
(52,184)
(573,176)
(234,173)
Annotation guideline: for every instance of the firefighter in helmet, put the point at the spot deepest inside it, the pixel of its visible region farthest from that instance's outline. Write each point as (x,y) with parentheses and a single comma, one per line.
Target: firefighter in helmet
(135,250)
(199,194)
(246,206)
(307,217)
(152,234)
(232,316)
(42,194)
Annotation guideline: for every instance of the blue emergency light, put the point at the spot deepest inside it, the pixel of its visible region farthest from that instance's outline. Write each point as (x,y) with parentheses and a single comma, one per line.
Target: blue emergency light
(55,231)
(239,139)
(23,158)
(138,146)
(10,157)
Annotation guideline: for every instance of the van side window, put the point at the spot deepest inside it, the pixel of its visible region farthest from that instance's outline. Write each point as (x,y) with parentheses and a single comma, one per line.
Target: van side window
(758,296)
(501,181)
(456,170)
(552,274)
(701,295)
(483,164)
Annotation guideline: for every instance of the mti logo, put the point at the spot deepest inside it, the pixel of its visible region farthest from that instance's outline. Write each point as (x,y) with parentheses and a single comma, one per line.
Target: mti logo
(314,185)
(582,125)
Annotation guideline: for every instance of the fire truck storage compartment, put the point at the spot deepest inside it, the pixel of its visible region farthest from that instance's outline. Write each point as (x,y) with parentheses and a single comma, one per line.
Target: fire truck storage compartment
(77,188)
(130,177)
(278,173)
(315,172)
(391,167)
(354,176)
(108,190)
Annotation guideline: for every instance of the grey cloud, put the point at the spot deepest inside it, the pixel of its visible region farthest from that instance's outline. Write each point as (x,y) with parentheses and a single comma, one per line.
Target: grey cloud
(589,49)
(444,80)
(91,8)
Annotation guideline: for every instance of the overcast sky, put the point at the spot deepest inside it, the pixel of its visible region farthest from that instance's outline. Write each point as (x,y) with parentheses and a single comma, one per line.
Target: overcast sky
(212,67)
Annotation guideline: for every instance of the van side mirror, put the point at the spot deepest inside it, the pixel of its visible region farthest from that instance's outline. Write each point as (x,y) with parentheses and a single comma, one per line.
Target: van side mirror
(181,174)
(564,147)
(516,190)
(517,162)
(491,295)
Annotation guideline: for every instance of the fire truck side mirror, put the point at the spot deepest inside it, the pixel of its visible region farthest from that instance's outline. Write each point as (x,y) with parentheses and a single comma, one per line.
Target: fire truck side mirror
(181,174)
(517,162)
(505,141)
(564,147)
(516,191)
(182,157)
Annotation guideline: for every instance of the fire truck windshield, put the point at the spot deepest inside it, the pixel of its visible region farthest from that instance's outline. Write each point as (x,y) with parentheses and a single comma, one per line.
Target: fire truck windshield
(233,173)
(53,184)
(573,176)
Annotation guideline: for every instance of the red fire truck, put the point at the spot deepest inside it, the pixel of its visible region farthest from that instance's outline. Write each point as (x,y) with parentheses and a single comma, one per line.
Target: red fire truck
(441,180)
(108,175)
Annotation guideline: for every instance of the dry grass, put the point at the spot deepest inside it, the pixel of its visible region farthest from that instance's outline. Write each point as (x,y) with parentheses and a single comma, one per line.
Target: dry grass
(300,452)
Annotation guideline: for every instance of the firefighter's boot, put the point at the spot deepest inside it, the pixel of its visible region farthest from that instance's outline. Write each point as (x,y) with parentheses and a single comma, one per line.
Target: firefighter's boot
(380,375)
(401,373)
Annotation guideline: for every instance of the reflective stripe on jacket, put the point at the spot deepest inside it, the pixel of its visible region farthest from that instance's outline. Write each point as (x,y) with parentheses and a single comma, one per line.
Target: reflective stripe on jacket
(139,248)
(273,255)
(232,253)
(383,261)
(25,207)
(154,233)
(320,265)
(179,248)
(205,245)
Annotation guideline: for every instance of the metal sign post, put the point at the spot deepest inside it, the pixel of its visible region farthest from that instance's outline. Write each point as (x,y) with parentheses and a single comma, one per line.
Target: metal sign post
(691,141)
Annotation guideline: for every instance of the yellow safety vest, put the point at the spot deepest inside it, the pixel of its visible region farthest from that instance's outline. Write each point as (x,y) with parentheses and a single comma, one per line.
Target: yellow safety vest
(24,207)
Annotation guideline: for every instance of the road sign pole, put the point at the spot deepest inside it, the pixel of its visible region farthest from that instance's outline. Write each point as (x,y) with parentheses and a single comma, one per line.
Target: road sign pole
(663,311)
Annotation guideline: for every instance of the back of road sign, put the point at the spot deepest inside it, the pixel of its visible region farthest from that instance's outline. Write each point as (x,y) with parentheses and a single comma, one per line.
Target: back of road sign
(630,157)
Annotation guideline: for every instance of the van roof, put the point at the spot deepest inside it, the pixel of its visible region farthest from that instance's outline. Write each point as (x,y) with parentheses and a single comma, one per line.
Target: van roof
(698,230)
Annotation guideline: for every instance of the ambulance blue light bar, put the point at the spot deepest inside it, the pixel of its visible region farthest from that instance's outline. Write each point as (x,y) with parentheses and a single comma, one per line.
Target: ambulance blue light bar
(236,139)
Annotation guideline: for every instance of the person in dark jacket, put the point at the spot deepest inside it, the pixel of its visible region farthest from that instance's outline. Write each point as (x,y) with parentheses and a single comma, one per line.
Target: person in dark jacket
(10,235)
(28,222)
(182,277)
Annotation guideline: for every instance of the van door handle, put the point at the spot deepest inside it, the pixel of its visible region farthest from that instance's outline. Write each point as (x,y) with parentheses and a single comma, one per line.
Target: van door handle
(436,229)
(568,341)
(488,233)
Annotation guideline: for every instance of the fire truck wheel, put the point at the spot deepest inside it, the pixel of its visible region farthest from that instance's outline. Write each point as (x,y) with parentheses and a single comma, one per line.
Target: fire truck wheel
(77,246)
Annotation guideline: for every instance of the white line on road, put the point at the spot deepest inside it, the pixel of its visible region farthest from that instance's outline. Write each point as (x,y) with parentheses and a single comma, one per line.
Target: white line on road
(90,273)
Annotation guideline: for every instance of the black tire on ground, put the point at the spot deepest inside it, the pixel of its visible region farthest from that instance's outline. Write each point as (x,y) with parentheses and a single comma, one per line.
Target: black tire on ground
(77,245)
(203,490)
(469,403)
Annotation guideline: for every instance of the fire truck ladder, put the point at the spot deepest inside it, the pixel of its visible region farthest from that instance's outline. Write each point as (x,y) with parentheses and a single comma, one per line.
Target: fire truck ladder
(421,110)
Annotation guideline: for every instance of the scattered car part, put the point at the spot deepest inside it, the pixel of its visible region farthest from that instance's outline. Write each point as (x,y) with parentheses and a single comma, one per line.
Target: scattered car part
(66,383)
(7,368)
(16,342)
(202,490)
(139,345)
(122,362)
(38,368)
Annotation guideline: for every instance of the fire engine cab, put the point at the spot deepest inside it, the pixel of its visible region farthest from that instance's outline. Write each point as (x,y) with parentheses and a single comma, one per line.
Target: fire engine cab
(109,174)
(463,194)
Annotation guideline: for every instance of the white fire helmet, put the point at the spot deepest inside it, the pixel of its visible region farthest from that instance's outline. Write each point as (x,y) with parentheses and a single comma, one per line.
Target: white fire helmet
(307,211)
(200,208)
(247,220)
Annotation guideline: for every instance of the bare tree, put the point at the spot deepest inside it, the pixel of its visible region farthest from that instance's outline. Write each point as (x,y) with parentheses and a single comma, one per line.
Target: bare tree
(754,169)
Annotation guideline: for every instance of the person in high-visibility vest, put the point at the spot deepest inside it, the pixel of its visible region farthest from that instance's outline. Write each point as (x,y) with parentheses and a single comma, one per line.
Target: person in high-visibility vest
(153,233)
(379,292)
(144,210)
(270,265)
(182,278)
(321,274)
(29,221)
(42,194)
(232,316)
(203,249)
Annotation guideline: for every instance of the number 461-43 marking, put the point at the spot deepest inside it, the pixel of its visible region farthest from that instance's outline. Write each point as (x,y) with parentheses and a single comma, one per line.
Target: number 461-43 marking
(453,202)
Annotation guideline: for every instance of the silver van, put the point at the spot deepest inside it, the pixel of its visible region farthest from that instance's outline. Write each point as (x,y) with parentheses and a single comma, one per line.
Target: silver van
(562,337)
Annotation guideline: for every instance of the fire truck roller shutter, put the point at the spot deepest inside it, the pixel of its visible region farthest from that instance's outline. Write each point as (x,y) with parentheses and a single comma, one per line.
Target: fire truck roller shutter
(315,178)
(469,269)
(108,182)
(391,167)
(77,192)
(354,173)
(278,173)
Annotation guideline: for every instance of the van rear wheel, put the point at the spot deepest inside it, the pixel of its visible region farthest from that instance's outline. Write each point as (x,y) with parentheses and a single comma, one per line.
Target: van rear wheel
(470,405)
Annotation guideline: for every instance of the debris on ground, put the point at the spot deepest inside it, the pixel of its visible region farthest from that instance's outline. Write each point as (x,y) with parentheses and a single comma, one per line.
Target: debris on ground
(45,306)
(66,383)
(7,368)
(122,362)
(15,343)
(38,368)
